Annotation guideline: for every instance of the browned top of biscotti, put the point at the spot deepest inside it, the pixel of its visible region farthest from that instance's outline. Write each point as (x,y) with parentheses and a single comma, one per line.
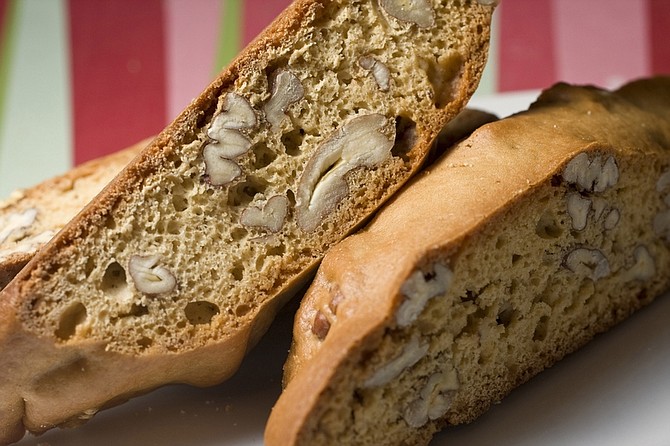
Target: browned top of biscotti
(222,275)
(501,163)
(256,58)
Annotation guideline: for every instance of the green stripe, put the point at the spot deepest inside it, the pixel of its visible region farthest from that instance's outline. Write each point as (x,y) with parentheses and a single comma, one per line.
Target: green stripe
(230,33)
(6,46)
(36,138)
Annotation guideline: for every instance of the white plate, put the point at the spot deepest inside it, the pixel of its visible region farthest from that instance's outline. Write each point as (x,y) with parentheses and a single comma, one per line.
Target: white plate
(615,391)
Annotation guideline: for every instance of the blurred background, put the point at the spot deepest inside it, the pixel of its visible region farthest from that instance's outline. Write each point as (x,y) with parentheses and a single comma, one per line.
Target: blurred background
(83,78)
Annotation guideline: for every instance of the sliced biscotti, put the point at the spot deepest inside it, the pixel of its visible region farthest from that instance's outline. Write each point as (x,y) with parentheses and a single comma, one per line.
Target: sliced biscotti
(516,248)
(30,217)
(177,268)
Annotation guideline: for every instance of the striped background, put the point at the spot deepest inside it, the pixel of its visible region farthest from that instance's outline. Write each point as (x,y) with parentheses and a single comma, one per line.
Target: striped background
(82,78)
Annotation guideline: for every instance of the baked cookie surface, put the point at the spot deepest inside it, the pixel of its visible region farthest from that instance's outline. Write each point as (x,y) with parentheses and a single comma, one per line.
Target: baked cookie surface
(522,243)
(178,267)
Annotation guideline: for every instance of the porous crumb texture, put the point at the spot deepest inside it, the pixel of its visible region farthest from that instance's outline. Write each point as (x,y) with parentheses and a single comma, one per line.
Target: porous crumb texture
(569,235)
(513,308)
(187,224)
(30,217)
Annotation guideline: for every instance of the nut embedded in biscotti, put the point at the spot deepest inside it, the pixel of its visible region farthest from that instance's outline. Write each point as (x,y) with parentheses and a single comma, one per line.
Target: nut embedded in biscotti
(286,90)
(413,11)
(230,145)
(612,219)
(599,205)
(418,289)
(149,277)
(17,221)
(380,72)
(219,170)
(236,113)
(228,142)
(578,209)
(591,175)
(321,326)
(271,216)
(358,143)
(645,265)
(588,262)
(609,175)
(411,354)
(434,399)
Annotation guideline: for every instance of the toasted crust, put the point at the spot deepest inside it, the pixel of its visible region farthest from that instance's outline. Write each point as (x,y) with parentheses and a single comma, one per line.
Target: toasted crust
(488,228)
(56,201)
(80,309)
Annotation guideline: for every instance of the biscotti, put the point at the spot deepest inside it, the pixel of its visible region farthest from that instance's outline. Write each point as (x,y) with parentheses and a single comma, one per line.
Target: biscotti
(522,243)
(30,217)
(177,268)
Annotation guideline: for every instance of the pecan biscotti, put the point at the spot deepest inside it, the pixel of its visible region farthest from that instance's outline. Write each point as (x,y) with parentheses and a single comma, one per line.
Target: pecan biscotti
(30,217)
(178,267)
(521,244)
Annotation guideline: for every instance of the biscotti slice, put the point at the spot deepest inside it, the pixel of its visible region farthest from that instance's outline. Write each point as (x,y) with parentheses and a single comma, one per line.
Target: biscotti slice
(522,243)
(30,217)
(176,269)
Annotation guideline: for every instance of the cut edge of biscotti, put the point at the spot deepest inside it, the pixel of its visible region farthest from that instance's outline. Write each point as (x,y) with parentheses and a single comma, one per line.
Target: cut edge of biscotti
(176,269)
(555,249)
(30,217)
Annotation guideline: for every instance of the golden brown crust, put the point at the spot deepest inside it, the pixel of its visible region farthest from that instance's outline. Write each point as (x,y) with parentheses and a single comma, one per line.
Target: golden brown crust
(255,56)
(481,190)
(11,267)
(79,303)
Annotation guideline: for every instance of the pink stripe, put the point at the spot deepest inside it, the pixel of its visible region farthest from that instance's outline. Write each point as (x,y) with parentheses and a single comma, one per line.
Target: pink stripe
(659,18)
(118,68)
(3,14)
(192,30)
(602,42)
(526,45)
(258,14)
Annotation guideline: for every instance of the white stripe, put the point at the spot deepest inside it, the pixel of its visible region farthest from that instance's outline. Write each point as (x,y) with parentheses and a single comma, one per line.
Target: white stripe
(601,42)
(35,137)
(191,36)
(489,81)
